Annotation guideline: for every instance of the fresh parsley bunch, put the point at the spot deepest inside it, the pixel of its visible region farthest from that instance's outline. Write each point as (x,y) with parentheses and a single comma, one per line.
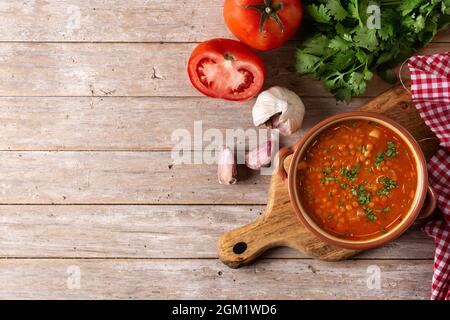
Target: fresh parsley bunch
(344,52)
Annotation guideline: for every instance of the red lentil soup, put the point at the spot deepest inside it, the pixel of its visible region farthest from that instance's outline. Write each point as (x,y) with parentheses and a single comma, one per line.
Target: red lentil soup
(357,180)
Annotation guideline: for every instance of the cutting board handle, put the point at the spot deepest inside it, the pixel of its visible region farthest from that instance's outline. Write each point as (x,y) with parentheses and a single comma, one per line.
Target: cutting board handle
(277,226)
(243,245)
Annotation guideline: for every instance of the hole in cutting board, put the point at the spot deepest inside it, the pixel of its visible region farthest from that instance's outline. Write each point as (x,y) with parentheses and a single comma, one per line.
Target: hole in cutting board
(240,247)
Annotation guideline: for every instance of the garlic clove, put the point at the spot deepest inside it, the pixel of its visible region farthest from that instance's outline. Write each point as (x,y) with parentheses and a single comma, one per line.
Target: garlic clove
(279,108)
(274,122)
(260,157)
(226,169)
(286,128)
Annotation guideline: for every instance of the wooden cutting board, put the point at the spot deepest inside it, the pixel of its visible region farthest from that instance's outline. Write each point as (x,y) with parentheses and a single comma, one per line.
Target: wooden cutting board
(279,226)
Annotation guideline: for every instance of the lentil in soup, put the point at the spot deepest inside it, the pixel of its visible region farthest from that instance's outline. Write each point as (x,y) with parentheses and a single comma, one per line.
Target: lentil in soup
(357,179)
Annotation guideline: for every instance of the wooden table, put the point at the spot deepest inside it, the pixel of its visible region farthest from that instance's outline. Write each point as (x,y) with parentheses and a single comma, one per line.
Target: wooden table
(91,206)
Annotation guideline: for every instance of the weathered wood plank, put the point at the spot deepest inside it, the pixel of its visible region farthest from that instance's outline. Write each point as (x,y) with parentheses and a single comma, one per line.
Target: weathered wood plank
(132,69)
(115,20)
(443,36)
(148,232)
(197,279)
(119,177)
(111,123)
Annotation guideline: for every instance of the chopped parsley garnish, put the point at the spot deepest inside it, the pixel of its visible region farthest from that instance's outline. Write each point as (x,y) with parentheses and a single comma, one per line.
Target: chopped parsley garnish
(343,185)
(323,180)
(327,171)
(369,214)
(387,209)
(341,203)
(388,185)
(355,123)
(391,152)
(383,230)
(379,158)
(351,174)
(368,210)
(361,194)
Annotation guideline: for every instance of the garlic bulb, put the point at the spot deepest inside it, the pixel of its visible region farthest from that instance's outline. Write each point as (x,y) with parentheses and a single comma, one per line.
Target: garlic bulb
(260,157)
(226,170)
(279,108)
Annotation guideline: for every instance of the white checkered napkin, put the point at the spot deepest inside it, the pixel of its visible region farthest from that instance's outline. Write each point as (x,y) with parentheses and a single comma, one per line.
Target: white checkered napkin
(430,76)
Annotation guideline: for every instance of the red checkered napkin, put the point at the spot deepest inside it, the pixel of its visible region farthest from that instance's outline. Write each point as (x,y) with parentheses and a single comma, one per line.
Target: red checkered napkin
(430,76)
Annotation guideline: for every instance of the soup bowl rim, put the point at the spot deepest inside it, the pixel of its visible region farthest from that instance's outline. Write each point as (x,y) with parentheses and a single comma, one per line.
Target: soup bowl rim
(421,169)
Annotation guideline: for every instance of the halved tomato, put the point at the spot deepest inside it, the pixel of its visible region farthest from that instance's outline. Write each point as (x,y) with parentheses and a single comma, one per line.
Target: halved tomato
(227,69)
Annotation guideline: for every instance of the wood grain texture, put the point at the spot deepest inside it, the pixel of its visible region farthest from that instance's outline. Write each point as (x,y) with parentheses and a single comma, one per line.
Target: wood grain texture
(396,104)
(154,231)
(133,69)
(194,279)
(113,20)
(76,77)
(119,178)
(116,20)
(278,226)
(114,123)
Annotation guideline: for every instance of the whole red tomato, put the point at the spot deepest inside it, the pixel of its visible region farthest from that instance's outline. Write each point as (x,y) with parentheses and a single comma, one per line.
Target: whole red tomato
(227,69)
(263,24)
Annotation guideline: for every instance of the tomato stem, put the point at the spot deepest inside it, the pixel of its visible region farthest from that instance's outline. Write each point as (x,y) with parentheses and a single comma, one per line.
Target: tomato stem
(228,56)
(268,11)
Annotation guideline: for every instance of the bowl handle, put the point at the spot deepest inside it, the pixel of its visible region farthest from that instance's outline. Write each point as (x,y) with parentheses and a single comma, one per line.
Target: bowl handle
(430,205)
(279,161)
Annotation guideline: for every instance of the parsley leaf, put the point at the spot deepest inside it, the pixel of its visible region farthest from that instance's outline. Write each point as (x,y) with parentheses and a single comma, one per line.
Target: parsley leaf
(337,10)
(307,63)
(351,174)
(354,10)
(319,13)
(338,44)
(316,45)
(388,185)
(323,180)
(344,47)
(357,83)
(369,214)
(366,38)
(379,158)
(391,152)
(362,194)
